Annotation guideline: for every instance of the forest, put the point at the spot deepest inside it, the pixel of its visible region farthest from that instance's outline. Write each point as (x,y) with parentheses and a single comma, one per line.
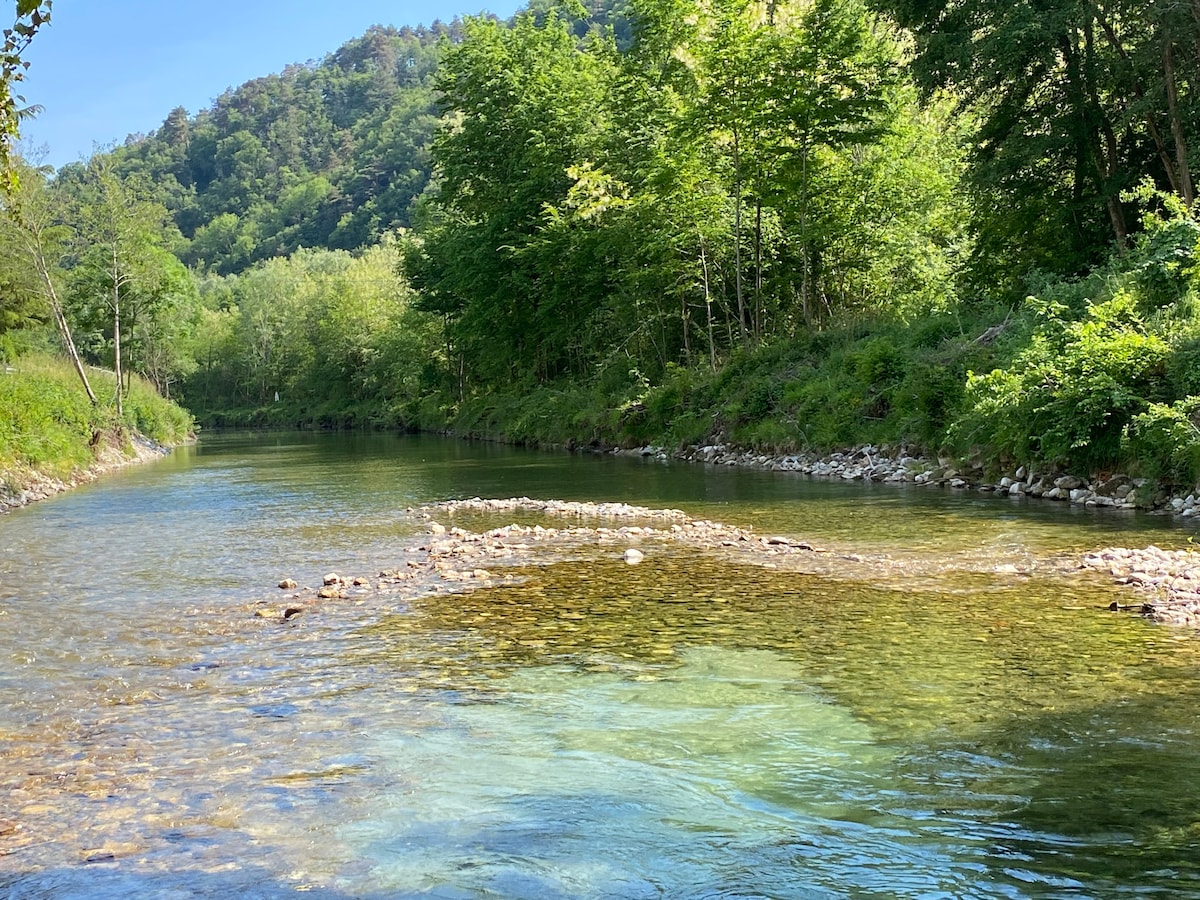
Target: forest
(966,228)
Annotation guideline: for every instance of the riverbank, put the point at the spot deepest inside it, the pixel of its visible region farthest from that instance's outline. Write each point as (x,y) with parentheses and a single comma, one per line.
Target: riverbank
(892,465)
(21,485)
(53,438)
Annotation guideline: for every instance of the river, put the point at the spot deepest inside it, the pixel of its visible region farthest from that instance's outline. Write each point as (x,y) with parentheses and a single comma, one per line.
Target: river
(922,724)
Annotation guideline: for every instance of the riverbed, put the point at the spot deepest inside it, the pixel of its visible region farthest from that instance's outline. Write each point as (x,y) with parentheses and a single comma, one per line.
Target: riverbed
(936,705)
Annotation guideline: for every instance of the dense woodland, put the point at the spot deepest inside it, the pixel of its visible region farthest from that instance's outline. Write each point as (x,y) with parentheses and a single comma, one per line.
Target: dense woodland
(966,227)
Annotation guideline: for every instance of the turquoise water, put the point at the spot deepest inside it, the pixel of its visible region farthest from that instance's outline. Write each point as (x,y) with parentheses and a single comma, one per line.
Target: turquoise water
(915,723)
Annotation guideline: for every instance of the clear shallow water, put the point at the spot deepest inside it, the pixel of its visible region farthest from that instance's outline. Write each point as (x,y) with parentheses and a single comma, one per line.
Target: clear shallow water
(690,727)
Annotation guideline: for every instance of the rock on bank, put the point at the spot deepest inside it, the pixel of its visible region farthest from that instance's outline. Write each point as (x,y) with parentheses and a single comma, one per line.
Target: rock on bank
(898,466)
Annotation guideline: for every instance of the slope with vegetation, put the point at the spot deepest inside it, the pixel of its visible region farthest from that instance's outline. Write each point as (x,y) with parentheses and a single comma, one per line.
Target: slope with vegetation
(789,225)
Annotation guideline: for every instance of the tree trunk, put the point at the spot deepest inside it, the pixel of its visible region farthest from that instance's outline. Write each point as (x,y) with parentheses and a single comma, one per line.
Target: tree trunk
(1139,92)
(737,238)
(116,307)
(708,306)
(60,320)
(686,323)
(758,271)
(1181,152)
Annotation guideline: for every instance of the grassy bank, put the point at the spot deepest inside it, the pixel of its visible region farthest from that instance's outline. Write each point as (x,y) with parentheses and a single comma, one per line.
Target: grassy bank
(48,426)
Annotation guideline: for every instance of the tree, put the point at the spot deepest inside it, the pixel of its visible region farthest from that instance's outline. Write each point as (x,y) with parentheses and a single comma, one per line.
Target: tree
(31,15)
(1076,102)
(122,265)
(524,104)
(36,243)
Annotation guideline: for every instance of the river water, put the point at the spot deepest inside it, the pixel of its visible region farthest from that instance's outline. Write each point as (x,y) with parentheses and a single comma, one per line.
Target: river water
(922,723)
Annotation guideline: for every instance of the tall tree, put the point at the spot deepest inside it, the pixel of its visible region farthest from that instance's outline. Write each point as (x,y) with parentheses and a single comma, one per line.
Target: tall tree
(37,241)
(1077,101)
(524,104)
(121,260)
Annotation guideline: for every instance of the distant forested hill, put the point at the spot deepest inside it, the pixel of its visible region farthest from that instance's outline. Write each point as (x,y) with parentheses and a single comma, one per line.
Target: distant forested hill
(324,154)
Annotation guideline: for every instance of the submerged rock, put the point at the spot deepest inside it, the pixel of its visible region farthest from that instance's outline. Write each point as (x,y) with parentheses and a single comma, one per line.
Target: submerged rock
(1168,580)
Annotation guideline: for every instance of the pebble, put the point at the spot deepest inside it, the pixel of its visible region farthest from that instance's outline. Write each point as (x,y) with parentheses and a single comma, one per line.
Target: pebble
(1167,580)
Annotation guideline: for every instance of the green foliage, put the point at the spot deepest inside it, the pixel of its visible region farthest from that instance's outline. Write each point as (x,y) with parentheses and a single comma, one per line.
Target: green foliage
(48,424)
(1104,385)
(320,337)
(31,15)
(740,174)
(1165,441)
(1069,395)
(1073,104)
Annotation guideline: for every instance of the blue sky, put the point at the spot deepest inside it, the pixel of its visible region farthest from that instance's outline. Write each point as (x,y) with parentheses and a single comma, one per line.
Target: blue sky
(104,69)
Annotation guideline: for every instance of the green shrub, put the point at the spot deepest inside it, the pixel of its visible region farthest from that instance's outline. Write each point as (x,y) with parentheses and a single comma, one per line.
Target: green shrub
(877,362)
(1166,441)
(1068,395)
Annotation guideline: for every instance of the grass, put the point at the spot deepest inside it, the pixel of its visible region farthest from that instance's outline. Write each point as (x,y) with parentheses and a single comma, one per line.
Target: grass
(47,423)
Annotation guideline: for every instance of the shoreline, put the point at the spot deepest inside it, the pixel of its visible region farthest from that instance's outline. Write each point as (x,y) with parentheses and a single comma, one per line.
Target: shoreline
(21,486)
(887,465)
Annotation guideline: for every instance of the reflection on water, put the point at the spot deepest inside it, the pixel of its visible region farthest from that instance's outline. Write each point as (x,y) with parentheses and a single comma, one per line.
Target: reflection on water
(689,727)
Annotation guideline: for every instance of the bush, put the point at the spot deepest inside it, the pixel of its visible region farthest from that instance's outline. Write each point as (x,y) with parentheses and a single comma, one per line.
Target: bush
(1166,441)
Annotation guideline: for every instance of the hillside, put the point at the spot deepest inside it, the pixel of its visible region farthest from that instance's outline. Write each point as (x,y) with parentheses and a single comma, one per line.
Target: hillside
(330,153)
